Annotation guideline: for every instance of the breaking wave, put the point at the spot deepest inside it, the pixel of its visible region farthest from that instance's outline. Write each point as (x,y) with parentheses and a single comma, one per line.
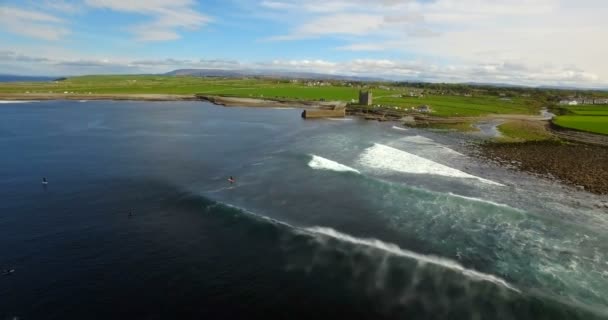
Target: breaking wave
(420,258)
(424,140)
(16,101)
(481,200)
(387,158)
(320,163)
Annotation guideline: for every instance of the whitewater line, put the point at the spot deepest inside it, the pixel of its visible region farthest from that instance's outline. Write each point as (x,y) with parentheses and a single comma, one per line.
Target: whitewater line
(387,158)
(481,200)
(17,101)
(397,251)
(418,139)
(380,245)
(320,163)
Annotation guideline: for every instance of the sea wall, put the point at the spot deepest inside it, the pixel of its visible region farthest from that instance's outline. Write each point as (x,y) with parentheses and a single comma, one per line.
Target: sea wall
(323,113)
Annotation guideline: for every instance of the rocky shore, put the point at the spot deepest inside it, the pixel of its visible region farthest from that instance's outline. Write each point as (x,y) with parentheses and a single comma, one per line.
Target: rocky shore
(266,103)
(584,166)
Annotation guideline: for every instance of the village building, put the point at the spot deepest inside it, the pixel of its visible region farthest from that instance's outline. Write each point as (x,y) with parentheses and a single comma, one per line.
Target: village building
(424,109)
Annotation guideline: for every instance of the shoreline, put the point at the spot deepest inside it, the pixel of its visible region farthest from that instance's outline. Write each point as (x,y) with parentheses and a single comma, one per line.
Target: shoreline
(577,163)
(574,164)
(103,96)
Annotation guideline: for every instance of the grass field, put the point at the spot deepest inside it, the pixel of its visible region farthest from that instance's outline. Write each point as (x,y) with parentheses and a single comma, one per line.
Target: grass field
(254,88)
(519,131)
(591,123)
(445,106)
(587,110)
(442,105)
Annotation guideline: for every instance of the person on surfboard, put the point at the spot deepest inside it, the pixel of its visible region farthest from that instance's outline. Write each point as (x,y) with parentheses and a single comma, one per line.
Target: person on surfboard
(231,180)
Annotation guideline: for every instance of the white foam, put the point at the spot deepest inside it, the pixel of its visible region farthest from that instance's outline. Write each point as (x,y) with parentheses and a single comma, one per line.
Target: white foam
(386,158)
(419,139)
(425,140)
(16,101)
(321,163)
(422,259)
(400,128)
(481,200)
(340,119)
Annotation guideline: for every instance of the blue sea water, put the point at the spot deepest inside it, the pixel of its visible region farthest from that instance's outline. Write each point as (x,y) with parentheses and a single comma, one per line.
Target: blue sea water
(329,218)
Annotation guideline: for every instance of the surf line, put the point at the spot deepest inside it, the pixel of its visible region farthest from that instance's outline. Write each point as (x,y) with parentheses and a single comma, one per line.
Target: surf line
(377,244)
(321,163)
(397,251)
(388,158)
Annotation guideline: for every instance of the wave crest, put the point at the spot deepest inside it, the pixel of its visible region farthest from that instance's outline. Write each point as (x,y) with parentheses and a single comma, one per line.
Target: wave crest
(320,163)
(387,158)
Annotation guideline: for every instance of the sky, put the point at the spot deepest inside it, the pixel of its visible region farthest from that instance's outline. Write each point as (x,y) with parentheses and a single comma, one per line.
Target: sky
(525,42)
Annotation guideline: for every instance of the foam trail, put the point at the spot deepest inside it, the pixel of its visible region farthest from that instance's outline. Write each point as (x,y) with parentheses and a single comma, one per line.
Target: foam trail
(400,128)
(425,140)
(397,251)
(419,139)
(16,101)
(481,200)
(383,157)
(321,163)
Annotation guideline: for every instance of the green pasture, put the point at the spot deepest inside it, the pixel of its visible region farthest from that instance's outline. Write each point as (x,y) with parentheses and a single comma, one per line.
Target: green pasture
(588,110)
(465,106)
(256,88)
(442,105)
(593,123)
(517,131)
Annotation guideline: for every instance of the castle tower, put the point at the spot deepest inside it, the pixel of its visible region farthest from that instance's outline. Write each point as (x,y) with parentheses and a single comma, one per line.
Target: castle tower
(365,98)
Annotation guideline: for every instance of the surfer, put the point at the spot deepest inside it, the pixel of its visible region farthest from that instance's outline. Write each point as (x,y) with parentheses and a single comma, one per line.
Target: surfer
(44,181)
(8,272)
(231,180)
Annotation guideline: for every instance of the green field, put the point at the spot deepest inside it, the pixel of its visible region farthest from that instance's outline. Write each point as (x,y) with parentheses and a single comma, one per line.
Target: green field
(587,110)
(592,123)
(256,88)
(393,96)
(446,106)
(518,131)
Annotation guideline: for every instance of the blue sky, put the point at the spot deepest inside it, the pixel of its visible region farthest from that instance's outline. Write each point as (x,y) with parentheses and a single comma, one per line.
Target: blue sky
(529,42)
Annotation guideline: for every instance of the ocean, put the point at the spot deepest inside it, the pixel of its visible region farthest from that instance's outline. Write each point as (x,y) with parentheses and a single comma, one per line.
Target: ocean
(336,218)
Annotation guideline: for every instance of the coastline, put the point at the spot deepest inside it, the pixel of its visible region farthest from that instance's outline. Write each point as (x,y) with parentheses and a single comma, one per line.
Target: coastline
(551,159)
(217,100)
(267,103)
(113,96)
(582,166)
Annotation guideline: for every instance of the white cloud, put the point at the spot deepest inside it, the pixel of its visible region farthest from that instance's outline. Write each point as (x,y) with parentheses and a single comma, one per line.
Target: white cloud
(168,16)
(413,70)
(32,23)
(555,33)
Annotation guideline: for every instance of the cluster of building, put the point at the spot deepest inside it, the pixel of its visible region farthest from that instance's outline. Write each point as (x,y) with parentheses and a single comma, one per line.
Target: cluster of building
(318,84)
(366,99)
(577,101)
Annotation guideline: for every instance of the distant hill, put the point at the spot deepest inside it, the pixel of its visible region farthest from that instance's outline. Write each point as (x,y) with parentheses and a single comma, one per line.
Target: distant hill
(15,78)
(266,74)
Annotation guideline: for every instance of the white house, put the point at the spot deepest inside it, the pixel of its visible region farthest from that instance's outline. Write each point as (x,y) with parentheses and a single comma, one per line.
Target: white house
(424,109)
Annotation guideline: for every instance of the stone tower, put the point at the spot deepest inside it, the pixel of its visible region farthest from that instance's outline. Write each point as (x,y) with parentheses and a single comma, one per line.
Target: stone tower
(365,98)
